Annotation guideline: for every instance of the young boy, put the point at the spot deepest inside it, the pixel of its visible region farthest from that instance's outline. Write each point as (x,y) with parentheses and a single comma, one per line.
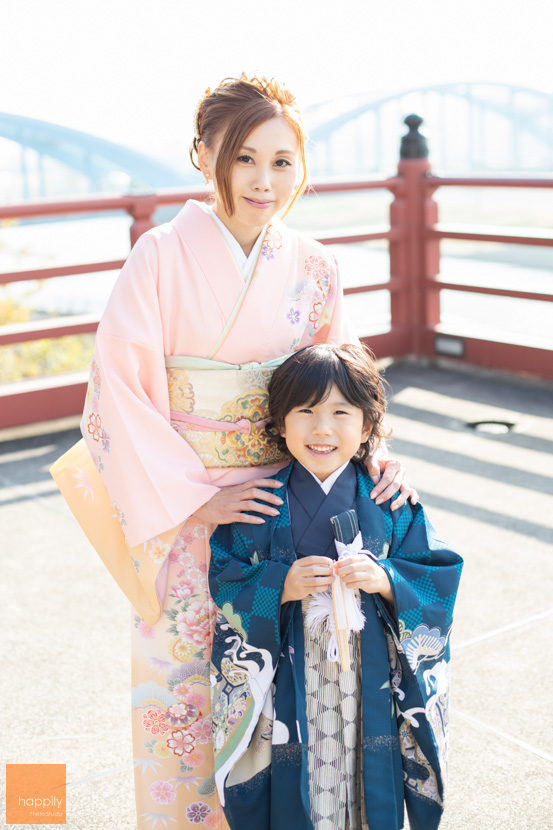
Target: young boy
(300,743)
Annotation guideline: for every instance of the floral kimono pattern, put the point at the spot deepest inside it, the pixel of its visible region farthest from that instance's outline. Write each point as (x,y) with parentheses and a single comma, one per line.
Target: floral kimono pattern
(134,482)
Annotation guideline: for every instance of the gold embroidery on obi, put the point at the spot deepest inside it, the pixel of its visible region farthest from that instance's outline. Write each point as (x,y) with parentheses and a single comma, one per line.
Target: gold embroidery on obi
(216,411)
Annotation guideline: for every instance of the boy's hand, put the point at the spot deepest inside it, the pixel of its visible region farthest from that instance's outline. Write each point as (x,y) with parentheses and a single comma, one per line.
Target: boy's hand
(308,575)
(363,572)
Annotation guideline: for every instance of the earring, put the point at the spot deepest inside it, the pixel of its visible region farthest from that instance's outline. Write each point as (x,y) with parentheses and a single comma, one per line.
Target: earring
(206,179)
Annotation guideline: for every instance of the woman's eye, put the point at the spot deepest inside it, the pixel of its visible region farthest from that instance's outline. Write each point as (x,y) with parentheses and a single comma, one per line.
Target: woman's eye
(245,159)
(283,163)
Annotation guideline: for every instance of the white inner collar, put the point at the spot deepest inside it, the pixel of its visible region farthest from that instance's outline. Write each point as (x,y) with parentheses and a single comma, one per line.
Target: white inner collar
(327,485)
(245,263)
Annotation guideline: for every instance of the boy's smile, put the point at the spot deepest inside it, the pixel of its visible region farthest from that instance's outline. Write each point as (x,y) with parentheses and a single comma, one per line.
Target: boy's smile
(325,435)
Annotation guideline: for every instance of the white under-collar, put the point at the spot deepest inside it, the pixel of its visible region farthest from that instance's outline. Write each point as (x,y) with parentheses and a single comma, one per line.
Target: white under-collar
(327,485)
(245,263)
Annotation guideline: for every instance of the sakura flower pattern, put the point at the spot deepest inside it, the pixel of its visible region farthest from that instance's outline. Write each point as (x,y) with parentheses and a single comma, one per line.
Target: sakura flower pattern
(163,792)
(181,742)
(95,426)
(271,243)
(154,721)
(171,694)
(201,730)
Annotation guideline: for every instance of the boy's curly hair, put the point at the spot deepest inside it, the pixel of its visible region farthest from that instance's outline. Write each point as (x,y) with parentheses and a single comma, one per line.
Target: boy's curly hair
(305,379)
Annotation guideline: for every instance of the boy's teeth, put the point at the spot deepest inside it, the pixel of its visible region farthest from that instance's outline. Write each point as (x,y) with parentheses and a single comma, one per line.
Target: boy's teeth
(323,448)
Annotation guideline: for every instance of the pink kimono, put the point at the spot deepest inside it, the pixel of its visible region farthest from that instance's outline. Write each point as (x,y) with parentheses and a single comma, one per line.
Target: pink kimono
(153,454)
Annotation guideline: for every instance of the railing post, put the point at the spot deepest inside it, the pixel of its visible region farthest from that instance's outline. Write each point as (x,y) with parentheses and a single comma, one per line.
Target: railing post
(414,258)
(142,210)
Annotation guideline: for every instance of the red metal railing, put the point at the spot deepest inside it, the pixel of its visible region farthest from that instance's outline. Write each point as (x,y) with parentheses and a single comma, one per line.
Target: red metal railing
(519,358)
(414,238)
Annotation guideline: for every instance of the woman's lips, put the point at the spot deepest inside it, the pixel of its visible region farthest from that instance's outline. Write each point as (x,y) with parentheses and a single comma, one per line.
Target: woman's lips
(258,204)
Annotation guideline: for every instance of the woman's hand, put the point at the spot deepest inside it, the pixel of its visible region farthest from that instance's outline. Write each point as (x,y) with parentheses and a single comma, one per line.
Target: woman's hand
(363,572)
(389,477)
(308,575)
(231,503)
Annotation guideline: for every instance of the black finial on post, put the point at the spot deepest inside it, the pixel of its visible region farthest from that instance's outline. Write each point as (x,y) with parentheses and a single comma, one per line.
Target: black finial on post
(413,145)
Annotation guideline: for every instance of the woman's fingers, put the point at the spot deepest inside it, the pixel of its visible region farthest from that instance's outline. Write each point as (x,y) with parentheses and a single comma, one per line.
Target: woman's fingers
(257,483)
(406,494)
(390,482)
(257,506)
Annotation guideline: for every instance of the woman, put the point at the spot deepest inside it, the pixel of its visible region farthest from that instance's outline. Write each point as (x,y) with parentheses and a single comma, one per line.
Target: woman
(204,308)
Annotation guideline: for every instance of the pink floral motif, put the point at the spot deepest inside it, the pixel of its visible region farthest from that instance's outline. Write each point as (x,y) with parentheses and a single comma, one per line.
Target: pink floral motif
(163,792)
(147,631)
(95,403)
(181,714)
(316,267)
(95,426)
(202,730)
(181,742)
(187,561)
(185,692)
(195,624)
(106,442)
(154,721)
(293,316)
(184,589)
(197,699)
(95,375)
(198,812)
(214,818)
(195,758)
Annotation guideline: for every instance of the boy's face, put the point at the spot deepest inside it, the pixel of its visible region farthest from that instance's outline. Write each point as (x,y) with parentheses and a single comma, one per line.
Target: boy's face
(324,436)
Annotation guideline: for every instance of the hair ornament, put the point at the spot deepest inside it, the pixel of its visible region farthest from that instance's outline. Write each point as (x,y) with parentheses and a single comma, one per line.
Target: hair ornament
(198,114)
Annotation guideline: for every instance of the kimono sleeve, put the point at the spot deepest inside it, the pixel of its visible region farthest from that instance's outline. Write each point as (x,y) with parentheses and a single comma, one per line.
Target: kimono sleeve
(247,587)
(154,479)
(424,575)
(334,325)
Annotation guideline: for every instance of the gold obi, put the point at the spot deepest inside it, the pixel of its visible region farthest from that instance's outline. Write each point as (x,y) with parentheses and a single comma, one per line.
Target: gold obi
(221,412)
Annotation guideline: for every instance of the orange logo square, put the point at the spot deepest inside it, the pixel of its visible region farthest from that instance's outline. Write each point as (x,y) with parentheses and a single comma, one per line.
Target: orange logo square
(35,794)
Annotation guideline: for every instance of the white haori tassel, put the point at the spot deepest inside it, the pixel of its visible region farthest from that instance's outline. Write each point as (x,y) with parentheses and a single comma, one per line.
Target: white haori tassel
(324,611)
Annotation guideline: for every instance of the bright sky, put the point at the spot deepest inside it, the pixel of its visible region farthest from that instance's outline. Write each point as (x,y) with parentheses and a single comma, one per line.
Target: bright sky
(132,70)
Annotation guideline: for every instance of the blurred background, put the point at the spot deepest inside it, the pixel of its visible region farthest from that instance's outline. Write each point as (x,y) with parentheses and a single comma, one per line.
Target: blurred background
(99,98)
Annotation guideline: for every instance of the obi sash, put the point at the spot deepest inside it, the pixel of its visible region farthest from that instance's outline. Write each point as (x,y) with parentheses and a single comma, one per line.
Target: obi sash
(221,409)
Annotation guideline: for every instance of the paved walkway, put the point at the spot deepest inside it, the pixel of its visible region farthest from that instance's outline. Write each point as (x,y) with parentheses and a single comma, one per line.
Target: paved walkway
(65,642)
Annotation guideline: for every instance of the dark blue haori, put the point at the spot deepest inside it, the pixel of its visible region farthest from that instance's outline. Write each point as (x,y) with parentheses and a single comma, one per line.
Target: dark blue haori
(258,671)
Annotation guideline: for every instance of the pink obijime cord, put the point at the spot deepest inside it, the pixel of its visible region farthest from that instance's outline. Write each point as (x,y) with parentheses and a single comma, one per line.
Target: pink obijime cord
(210,425)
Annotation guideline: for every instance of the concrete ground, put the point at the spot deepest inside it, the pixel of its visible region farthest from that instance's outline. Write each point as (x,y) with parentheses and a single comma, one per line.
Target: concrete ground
(65,626)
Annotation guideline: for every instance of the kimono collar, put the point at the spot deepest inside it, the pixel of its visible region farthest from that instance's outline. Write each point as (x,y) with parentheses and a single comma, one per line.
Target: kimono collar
(327,485)
(245,263)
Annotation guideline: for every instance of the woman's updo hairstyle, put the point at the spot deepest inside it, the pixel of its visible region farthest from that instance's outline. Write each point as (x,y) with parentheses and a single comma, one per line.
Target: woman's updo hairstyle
(231,112)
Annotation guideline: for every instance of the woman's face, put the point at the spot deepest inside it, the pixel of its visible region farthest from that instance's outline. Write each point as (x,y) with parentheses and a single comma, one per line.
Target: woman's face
(262,178)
